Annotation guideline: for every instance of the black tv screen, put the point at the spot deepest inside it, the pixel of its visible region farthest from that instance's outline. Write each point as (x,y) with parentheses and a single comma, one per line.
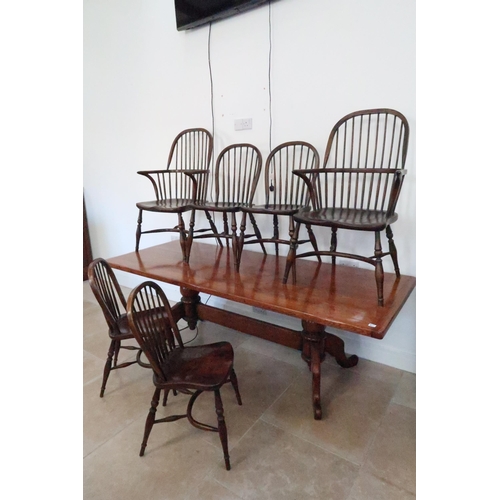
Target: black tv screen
(192,13)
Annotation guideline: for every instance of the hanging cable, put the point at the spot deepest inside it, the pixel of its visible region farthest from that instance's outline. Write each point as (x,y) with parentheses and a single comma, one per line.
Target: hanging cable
(271,187)
(211,103)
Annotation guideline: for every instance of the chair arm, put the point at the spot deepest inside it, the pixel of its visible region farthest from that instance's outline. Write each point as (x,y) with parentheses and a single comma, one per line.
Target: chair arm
(158,179)
(309,175)
(193,175)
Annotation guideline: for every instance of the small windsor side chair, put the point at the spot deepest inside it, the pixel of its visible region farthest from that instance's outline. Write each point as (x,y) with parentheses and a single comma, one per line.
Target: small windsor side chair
(358,187)
(174,192)
(112,301)
(237,173)
(285,193)
(176,367)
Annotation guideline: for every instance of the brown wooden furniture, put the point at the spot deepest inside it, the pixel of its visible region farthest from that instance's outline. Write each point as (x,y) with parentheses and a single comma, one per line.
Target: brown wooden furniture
(285,193)
(175,367)
(323,295)
(110,297)
(87,248)
(358,187)
(190,150)
(237,173)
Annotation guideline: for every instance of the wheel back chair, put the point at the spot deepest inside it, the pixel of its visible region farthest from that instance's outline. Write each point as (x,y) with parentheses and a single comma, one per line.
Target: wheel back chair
(112,301)
(176,367)
(358,187)
(285,193)
(237,173)
(174,192)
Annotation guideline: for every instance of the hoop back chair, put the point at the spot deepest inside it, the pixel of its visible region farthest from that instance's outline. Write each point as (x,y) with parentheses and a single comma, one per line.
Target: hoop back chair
(176,367)
(359,185)
(112,301)
(237,173)
(285,193)
(190,150)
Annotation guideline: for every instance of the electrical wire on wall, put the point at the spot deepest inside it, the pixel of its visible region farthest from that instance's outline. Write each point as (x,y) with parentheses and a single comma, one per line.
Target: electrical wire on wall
(211,104)
(271,187)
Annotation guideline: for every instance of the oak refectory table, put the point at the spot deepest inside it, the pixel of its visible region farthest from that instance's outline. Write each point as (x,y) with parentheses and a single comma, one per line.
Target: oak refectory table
(322,296)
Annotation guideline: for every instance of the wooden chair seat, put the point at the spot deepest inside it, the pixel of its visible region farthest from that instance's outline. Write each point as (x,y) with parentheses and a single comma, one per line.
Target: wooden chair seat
(281,209)
(347,218)
(168,206)
(221,206)
(203,367)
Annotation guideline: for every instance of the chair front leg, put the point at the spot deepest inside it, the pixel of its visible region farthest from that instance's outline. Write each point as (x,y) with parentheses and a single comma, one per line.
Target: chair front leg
(292,252)
(107,367)
(393,251)
(333,244)
(221,426)
(379,270)
(241,239)
(150,420)
(182,237)
(138,231)
(257,232)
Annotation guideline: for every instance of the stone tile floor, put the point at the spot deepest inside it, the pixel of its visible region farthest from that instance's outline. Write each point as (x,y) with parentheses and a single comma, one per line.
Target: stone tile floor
(363,449)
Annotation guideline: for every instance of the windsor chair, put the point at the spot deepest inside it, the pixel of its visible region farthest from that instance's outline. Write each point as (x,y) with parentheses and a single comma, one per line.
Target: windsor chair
(285,193)
(358,187)
(237,173)
(176,367)
(110,297)
(174,192)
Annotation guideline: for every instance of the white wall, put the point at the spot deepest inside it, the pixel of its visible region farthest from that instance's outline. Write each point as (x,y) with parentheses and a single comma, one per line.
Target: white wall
(144,82)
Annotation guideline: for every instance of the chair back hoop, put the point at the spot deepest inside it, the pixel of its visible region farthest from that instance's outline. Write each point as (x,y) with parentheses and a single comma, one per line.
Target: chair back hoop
(364,161)
(107,292)
(192,149)
(282,187)
(153,325)
(237,173)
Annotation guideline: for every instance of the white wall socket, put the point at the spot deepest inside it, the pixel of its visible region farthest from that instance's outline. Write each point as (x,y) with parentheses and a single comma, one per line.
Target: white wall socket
(243,124)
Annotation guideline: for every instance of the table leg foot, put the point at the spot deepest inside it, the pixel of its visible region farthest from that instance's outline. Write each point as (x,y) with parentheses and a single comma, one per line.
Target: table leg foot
(336,347)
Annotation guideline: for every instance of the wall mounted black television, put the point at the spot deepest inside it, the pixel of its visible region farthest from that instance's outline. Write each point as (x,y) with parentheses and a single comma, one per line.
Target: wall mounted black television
(192,13)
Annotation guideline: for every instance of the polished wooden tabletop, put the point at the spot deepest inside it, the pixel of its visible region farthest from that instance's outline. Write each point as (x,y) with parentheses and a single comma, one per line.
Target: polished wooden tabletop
(340,296)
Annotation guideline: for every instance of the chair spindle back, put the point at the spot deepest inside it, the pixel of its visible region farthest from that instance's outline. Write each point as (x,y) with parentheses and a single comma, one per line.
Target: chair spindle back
(153,326)
(365,155)
(282,187)
(237,173)
(107,291)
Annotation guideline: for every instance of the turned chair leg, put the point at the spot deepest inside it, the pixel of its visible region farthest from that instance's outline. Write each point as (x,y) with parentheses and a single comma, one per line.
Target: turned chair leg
(213,227)
(276,233)
(333,244)
(290,259)
(257,232)
(393,251)
(241,239)
(138,231)
(107,367)
(312,239)
(379,270)
(222,427)
(150,420)
(234,382)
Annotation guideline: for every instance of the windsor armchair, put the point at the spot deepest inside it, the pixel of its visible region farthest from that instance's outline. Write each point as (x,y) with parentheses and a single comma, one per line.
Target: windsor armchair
(176,367)
(190,150)
(112,301)
(285,193)
(237,173)
(358,187)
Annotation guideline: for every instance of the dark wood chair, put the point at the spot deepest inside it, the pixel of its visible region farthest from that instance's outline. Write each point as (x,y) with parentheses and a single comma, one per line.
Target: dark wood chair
(237,173)
(358,187)
(174,192)
(176,367)
(112,301)
(285,193)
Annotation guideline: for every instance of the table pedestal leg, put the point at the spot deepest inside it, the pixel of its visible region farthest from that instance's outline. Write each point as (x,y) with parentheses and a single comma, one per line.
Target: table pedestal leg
(335,346)
(313,353)
(190,299)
